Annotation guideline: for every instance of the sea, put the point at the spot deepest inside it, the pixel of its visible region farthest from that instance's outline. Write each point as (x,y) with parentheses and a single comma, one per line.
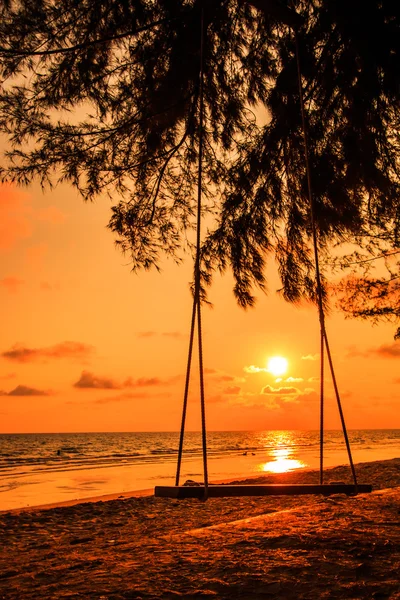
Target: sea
(46,468)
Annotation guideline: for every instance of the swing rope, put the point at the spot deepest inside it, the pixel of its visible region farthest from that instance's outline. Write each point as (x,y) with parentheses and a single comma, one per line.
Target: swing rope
(324,338)
(196,309)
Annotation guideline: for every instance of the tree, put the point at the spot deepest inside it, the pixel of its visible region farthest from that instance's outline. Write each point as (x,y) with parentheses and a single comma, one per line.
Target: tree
(372,298)
(136,65)
(372,288)
(352,99)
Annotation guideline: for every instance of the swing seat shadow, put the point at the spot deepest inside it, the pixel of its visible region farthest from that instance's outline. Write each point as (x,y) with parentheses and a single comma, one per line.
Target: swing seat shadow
(229,491)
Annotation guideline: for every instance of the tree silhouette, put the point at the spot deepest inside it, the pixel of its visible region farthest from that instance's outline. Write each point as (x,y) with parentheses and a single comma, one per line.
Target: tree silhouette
(352,99)
(372,298)
(134,67)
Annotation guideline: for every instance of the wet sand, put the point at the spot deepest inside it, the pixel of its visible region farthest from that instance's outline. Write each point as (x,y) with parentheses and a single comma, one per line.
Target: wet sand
(271,547)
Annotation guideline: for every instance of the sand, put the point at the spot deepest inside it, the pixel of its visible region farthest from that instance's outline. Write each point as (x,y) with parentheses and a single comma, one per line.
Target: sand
(247,548)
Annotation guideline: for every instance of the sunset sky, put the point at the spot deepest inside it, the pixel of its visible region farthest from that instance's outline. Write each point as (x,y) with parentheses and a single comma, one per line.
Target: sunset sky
(88,346)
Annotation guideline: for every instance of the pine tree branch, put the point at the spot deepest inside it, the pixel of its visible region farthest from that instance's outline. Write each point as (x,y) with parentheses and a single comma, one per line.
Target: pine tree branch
(372,259)
(83,45)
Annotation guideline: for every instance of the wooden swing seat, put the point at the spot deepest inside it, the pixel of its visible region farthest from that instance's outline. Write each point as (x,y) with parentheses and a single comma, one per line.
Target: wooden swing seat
(228,491)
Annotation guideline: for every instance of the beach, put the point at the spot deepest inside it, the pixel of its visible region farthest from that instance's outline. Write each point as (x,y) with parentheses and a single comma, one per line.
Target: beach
(270,547)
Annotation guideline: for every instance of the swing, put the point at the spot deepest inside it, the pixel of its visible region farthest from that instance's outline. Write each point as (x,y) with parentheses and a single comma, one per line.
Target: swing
(206,490)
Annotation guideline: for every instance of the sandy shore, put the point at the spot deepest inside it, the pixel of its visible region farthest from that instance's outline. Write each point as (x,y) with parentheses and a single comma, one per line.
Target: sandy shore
(272,547)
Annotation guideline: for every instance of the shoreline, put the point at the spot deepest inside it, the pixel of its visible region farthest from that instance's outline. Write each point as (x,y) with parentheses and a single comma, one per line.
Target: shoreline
(307,475)
(83,476)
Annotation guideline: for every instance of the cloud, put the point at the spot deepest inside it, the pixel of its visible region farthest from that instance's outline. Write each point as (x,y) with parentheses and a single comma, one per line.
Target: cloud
(74,350)
(277,399)
(310,357)
(385,351)
(311,379)
(88,380)
(11,284)
(24,390)
(253,369)
(388,350)
(176,335)
(293,379)
(232,389)
(142,382)
(15,216)
(223,377)
(281,391)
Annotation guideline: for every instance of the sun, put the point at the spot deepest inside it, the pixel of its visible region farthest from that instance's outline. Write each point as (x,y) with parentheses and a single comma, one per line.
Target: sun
(277,365)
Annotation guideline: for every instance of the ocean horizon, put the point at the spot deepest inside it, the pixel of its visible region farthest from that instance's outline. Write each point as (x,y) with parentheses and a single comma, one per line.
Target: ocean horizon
(44,468)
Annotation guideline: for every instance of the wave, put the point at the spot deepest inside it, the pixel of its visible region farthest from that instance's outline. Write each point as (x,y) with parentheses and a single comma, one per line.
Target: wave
(29,453)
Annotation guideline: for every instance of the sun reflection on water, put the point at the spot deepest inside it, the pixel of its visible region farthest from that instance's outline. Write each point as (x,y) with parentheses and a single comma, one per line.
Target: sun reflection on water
(284,460)
(282,465)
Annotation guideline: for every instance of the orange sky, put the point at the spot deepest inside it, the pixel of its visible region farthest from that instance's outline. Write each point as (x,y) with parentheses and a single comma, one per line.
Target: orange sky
(85,345)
